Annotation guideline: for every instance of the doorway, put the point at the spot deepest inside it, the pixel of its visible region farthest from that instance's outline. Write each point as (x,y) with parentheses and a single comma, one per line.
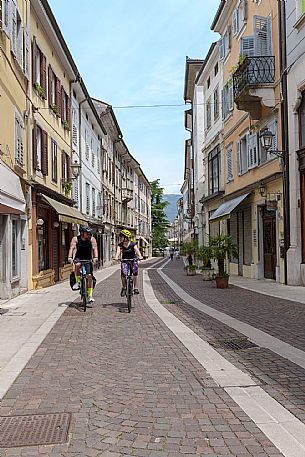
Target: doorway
(269,232)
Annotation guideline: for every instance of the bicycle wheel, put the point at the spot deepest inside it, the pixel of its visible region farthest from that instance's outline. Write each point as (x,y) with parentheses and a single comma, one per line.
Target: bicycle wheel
(129,293)
(84,293)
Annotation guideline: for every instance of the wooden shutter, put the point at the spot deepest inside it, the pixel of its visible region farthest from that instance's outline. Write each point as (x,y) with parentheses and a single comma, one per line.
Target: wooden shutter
(26,52)
(19,43)
(247,46)
(58,96)
(6,17)
(19,147)
(44,153)
(43,73)
(68,108)
(34,53)
(34,145)
(63,166)
(239,163)
(69,169)
(62,101)
(262,35)
(13,34)
(235,22)
(50,79)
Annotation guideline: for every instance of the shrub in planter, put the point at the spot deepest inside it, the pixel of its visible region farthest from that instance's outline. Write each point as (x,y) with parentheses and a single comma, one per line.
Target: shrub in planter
(208,274)
(189,250)
(191,270)
(222,248)
(54,108)
(39,89)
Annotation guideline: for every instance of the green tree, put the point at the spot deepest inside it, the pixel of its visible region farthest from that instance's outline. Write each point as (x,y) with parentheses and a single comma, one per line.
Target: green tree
(160,222)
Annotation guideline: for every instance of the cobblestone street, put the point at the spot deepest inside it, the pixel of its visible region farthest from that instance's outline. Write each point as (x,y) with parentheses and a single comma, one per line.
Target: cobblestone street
(133,388)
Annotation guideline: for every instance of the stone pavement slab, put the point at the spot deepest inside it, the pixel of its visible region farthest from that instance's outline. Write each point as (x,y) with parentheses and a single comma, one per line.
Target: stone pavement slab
(132,388)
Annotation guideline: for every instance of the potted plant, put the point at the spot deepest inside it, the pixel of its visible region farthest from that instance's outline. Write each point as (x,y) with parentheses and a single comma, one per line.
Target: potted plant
(54,108)
(66,125)
(204,253)
(189,250)
(191,269)
(67,187)
(222,248)
(39,89)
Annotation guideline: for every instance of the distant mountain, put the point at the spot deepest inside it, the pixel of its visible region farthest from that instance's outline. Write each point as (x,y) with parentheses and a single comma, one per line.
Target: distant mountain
(171,209)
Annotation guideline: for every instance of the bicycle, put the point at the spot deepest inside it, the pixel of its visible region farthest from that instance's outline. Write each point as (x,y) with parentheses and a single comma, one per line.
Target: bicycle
(83,282)
(129,282)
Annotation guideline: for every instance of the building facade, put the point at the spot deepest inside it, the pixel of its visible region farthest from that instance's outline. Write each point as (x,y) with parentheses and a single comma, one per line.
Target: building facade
(295,20)
(252,209)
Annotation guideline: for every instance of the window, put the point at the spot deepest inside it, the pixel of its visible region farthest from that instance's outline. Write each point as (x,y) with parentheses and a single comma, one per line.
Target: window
(229,155)
(225,43)
(65,109)
(93,202)
(86,146)
(16,34)
(40,150)
(227,99)
(54,95)
(260,44)
(301,113)
(15,248)
(214,170)
(300,8)
(6,26)
(26,52)
(208,82)
(88,198)
(216,69)
(74,127)
(66,167)
(263,154)
(208,113)
(19,147)
(54,160)
(39,69)
(242,155)
(239,17)
(252,150)
(216,103)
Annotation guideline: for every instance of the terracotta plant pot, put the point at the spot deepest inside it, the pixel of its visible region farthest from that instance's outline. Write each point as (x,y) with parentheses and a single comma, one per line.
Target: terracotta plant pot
(222,282)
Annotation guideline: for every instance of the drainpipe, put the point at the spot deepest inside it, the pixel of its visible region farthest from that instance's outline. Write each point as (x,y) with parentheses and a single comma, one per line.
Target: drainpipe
(284,123)
(80,152)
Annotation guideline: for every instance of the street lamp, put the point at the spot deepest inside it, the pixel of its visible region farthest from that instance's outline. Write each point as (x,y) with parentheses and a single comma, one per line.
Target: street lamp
(75,168)
(266,139)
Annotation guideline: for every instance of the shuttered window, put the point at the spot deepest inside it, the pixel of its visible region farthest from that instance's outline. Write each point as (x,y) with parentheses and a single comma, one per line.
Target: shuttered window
(227,99)
(262,36)
(247,46)
(239,17)
(93,202)
(6,17)
(76,191)
(242,154)
(40,150)
(216,103)
(252,150)
(54,160)
(208,114)
(229,163)
(19,145)
(13,34)
(39,70)
(87,198)
(26,52)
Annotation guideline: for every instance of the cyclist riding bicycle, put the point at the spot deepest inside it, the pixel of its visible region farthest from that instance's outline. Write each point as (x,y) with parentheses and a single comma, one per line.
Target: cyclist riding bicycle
(128,250)
(85,245)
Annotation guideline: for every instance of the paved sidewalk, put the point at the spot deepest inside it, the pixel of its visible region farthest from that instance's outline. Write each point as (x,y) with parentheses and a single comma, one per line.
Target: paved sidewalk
(132,387)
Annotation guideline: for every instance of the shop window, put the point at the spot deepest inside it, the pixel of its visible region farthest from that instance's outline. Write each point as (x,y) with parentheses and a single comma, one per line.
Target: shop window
(43,257)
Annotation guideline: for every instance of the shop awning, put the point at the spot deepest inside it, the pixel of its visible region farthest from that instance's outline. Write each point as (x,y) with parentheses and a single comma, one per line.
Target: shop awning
(226,208)
(11,196)
(66,213)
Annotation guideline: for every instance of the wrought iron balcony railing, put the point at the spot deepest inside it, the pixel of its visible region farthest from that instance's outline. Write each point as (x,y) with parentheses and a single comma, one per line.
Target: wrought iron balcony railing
(254,71)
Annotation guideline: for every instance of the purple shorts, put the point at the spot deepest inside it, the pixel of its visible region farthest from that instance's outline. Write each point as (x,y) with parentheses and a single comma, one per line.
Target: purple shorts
(124,267)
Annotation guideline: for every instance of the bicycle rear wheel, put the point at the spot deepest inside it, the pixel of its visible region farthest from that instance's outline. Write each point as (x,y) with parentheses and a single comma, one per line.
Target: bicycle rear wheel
(84,294)
(129,293)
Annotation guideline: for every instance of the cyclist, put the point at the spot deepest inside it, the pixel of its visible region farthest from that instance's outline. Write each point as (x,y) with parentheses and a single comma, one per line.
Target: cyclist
(85,245)
(128,250)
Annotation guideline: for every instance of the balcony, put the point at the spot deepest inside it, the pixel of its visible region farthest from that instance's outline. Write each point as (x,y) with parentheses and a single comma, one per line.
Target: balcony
(127,194)
(253,85)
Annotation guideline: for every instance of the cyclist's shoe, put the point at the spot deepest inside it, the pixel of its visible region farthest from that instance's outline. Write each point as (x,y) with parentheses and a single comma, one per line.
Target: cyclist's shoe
(76,286)
(136,291)
(123,292)
(90,302)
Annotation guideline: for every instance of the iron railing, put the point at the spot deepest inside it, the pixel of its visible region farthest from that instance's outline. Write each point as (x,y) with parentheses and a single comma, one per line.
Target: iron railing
(253,72)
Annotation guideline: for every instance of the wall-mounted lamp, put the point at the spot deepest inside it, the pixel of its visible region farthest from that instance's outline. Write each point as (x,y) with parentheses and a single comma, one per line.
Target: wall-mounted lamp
(75,168)
(64,225)
(262,190)
(266,139)
(55,224)
(40,222)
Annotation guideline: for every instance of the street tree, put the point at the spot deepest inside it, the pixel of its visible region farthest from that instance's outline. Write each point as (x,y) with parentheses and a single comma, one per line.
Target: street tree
(160,222)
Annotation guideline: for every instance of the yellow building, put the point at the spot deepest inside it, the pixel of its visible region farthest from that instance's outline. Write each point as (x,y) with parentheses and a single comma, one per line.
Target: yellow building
(14,136)
(49,157)
(252,208)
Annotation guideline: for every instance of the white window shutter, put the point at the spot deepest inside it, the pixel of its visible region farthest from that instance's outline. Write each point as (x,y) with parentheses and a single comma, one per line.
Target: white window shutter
(229,164)
(247,46)
(243,11)
(221,48)
(6,17)
(19,53)
(252,150)
(14,27)
(234,22)
(26,52)
(239,165)
(262,35)
(230,97)
(273,127)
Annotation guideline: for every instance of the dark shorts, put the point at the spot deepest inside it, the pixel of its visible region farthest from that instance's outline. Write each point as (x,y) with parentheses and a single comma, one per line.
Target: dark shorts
(88,266)
(124,267)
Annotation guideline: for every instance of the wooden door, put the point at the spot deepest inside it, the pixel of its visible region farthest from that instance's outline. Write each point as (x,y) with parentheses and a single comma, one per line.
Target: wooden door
(269,229)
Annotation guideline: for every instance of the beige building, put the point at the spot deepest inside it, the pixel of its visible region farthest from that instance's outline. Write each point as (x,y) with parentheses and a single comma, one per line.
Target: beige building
(252,208)
(15,111)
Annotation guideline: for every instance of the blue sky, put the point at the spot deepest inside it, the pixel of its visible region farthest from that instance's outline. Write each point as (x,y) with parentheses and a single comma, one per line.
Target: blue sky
(132,52)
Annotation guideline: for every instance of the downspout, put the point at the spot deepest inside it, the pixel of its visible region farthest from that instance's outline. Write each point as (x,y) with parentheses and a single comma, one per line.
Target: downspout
(284,124)
(80,153)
